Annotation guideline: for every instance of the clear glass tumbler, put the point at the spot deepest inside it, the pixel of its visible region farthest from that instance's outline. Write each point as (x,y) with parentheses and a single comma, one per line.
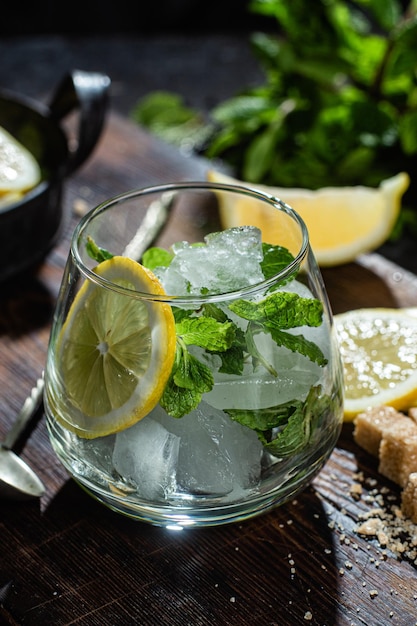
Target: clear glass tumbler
(193,376)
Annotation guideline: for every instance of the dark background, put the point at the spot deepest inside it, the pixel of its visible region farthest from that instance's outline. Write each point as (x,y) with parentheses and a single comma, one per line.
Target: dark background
(124,16)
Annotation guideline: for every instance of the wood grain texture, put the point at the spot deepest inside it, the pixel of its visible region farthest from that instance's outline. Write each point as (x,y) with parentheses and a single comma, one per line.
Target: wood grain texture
(69,560)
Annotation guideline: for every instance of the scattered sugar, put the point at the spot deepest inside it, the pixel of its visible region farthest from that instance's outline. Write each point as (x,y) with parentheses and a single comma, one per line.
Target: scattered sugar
(386,524)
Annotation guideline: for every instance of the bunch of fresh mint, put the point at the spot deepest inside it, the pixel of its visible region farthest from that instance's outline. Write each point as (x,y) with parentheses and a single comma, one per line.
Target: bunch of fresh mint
(338,105)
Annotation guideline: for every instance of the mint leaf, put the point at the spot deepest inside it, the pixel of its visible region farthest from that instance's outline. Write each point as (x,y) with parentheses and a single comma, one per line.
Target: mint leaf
(156,257)
(298,343)
(188,381)
(232,360)
(181,314)
(95,252)
(301,424)
(167,115)
(207,333)
(211,310)
(190,373)
(275,259)
(265,419)
(178,401)
(294,437)
(280,310)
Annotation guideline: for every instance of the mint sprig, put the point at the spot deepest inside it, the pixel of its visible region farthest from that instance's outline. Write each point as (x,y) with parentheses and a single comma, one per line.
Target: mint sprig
(296,422)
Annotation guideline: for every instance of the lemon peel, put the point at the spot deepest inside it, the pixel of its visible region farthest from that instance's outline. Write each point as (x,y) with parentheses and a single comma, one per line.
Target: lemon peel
(343,222)
(379,355)
(115,352)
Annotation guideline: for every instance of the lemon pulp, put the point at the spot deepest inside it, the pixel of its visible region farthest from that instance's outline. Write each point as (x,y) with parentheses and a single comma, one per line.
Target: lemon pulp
(379,354)
(342,222)
(115,351)
(19,170)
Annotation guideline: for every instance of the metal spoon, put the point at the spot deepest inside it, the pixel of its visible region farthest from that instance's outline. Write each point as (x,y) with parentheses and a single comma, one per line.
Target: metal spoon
(17,480)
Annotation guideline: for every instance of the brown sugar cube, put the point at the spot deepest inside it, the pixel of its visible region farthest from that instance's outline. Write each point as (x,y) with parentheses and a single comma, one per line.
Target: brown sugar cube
(409,498)
(398,452)
(370,425)
(412,412)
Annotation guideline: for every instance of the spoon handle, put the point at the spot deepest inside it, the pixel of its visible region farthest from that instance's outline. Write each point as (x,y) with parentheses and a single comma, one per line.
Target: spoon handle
(153,222)
(28,410)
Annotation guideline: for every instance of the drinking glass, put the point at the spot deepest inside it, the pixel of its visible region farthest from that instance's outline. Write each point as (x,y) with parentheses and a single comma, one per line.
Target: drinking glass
(229,397)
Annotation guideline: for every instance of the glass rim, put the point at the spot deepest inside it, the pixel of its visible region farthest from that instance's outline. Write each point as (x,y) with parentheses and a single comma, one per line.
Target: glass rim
(194,186)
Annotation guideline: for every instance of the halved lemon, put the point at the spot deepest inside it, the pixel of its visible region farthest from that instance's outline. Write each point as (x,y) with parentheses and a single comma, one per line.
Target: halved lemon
(19,170)
(379,355)
(342,222)
(115,351)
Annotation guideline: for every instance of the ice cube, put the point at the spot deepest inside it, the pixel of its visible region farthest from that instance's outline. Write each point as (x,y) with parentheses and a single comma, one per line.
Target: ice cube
(147,454)
(230,260)
(216,455)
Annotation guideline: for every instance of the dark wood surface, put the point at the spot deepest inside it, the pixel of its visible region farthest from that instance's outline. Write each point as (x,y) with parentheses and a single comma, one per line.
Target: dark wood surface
(68,560)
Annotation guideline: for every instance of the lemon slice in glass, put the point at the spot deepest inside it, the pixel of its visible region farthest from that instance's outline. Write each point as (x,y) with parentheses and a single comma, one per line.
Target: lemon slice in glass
(115,351)
(379,354)
(342,222)
(19,170)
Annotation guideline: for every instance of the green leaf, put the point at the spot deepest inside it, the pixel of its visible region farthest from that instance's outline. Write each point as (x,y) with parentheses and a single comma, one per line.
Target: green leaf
(265,419)
(188,381)
(191,374)
(384,13)
(275,259)
(150,107)
(280,310)
(179,401)
(298,343)
(95,252)
(293,438)
(259,154)
(156,257)
(408,132)
(296,435)
(167,116)
(232,360)
(207,333)
(211,310)
(246,112)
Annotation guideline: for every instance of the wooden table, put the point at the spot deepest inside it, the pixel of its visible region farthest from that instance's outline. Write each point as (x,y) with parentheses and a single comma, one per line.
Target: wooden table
(68,560)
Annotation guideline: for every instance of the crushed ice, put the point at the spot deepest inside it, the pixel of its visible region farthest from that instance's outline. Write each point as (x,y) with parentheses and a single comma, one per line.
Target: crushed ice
(228,261)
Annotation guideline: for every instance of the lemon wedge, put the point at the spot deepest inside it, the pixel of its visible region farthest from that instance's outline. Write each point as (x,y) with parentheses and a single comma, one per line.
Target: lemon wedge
(342,222)
(19,170)
(115,352)
(379,355)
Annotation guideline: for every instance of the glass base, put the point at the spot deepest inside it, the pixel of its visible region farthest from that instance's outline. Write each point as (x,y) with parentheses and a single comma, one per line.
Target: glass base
(181,511)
